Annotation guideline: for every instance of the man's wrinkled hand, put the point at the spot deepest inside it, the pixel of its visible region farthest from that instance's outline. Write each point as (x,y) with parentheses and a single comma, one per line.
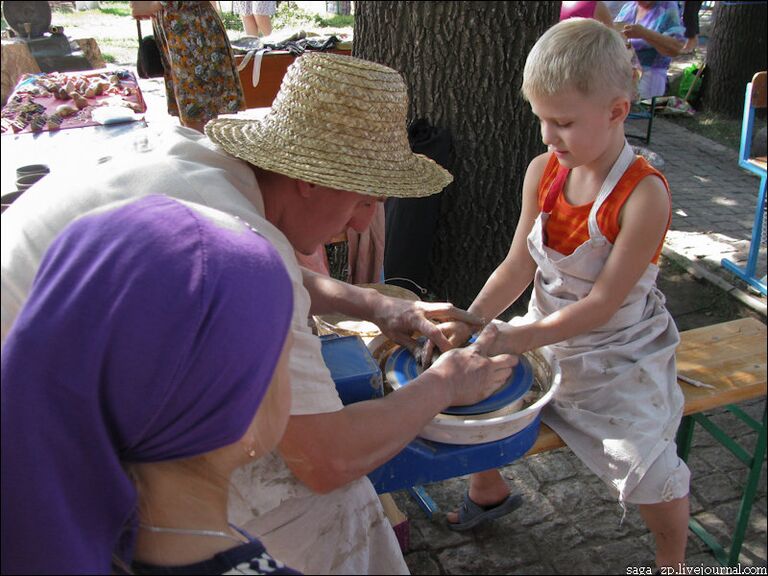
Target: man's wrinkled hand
(471,373)
(399,320)
(457,334)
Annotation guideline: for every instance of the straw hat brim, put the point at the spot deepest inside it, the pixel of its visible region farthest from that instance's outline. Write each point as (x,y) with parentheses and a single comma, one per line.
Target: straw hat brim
(320,162)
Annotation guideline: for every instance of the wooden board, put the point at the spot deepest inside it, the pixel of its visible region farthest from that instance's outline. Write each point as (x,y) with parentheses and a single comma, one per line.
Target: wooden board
(730,356)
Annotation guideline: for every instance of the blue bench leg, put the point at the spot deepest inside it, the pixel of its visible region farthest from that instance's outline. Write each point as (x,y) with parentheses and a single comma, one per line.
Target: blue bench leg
(424,500)
(748,274)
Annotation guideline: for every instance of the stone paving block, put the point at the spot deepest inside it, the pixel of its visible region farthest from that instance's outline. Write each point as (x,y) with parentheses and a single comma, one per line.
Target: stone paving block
(569,494)
(714,489)
(702,559)
(535,509)
(695,504)
(483,557)
(720,459)
(602,523)
(576,561)
(626,553)
(532,569)
(554,468)
(553,535)
(422,562)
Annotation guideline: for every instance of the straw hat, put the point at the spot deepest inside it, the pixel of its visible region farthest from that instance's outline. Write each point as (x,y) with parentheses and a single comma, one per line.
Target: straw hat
(339,122)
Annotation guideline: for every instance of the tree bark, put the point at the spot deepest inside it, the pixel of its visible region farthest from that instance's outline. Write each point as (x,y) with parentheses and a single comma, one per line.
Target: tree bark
(463,65)
(737,49)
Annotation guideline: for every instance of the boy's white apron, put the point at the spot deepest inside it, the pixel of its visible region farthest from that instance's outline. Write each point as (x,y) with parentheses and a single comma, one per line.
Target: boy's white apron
(619,404)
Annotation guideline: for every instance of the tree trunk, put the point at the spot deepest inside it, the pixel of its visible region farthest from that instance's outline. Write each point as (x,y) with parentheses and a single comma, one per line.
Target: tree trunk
(463,65)
(737,49)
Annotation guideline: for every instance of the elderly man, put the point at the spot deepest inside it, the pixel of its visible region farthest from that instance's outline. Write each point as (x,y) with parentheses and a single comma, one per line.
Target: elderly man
(332,146)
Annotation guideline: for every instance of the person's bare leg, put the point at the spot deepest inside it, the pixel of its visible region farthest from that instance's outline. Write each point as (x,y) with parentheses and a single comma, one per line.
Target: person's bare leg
(249,24)
(264,23)
(668,522)
(485,489)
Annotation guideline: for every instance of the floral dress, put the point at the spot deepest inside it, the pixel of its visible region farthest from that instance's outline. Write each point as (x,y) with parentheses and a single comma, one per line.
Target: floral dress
(201,80)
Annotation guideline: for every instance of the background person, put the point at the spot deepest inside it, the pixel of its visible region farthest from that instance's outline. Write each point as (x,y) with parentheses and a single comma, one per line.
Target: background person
(656,35)
(201,79)
(256,16)
(148,362)
(597,10)
(691,23)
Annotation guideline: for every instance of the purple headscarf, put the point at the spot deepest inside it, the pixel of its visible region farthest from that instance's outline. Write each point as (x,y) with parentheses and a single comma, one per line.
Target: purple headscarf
(151,333)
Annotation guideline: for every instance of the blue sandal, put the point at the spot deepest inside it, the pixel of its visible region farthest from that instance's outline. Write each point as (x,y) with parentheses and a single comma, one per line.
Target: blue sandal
(472,514)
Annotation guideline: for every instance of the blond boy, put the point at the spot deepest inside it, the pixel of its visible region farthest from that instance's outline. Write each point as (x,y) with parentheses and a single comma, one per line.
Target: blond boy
(593,221)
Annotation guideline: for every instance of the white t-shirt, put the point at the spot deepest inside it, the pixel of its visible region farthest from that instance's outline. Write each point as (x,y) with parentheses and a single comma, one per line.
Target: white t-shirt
(184,164)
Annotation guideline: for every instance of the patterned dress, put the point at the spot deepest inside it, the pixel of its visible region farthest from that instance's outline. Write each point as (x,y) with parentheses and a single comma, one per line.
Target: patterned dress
(201,80)
(258,8)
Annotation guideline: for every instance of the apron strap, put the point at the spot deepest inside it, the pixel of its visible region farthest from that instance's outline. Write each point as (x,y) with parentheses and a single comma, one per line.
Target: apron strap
(555,188)
(623,162)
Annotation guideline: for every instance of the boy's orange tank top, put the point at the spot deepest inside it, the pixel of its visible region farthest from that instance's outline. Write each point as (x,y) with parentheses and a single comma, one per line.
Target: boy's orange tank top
(567,227)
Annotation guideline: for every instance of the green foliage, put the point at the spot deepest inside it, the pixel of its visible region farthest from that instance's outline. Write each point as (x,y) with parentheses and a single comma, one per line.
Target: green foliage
(231,21)
(108,58)
(115,8)
(290,15)
(337,21)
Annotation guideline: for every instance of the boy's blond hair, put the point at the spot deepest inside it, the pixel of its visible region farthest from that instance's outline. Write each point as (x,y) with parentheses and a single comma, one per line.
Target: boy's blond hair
(579,53)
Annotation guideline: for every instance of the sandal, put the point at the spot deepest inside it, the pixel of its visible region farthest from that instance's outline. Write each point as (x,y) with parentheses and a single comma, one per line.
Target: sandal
(472,514)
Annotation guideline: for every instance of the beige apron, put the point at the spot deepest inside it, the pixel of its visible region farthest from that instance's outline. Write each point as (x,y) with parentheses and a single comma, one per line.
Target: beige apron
(619,405)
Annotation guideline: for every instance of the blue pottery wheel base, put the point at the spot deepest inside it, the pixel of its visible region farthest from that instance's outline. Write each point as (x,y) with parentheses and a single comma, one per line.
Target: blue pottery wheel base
(401,368)
(424,461)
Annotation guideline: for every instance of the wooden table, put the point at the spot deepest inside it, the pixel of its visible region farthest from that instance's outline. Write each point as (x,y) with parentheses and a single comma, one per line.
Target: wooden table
(273,67)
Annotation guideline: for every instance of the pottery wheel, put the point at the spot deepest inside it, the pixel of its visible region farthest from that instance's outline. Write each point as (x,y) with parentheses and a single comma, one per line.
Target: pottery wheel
(490,426)
(401,368)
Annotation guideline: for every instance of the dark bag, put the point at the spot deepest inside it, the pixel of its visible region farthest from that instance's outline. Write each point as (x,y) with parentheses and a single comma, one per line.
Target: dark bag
(149,63)
(411,223)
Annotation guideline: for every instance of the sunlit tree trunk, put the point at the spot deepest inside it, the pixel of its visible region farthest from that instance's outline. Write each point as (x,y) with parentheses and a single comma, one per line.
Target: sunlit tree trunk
(463,64)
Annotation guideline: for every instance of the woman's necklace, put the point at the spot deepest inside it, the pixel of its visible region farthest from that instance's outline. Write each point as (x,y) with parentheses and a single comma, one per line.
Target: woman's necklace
(189,532)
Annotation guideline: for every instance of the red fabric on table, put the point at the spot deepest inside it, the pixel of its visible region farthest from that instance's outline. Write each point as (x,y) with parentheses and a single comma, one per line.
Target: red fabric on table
(29,92)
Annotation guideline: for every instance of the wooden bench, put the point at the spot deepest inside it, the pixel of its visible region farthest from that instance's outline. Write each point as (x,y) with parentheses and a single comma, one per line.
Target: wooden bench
(731,358)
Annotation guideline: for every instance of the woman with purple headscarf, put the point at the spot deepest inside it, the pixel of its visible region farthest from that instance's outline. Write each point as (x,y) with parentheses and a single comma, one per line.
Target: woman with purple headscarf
(131,389)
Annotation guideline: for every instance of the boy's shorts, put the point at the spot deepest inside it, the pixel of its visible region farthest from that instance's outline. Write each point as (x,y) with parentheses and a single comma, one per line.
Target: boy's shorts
(667,479)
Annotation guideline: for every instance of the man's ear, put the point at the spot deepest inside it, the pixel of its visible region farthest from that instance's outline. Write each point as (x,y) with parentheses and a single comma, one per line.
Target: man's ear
(619,109)
(305,189)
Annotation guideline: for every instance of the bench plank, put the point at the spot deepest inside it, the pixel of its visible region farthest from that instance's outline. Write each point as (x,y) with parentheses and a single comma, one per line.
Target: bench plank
(731,356)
